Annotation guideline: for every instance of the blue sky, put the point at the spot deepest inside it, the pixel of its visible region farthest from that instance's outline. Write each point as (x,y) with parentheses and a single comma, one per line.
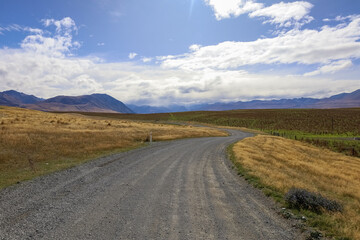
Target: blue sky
(163,52)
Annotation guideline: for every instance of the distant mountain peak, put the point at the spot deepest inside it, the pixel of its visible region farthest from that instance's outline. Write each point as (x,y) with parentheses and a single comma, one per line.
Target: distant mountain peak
(17,99)
(12,92)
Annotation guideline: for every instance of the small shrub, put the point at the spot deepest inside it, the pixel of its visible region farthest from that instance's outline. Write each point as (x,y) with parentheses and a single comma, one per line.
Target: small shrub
(314,235)
(302,199)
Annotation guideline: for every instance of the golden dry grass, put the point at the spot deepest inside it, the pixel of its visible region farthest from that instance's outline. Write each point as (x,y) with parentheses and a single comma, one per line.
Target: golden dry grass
(284,163)
(33,143)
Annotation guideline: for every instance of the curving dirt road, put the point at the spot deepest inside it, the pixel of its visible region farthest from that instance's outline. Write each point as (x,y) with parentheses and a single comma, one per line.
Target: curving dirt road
(169,190)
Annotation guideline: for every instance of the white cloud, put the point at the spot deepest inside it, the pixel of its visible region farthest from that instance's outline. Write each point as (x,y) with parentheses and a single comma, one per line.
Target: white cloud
(132,55)
(47,76)
(54,46)
(281,14)
(194,47)
(295,46)
(19,28)
(44,66)
(59,44)
(286,14)
(332,67)
(13,27)
(146,59)
(64,26)
(228,8)
(341,18)
(162,58)
(101,44)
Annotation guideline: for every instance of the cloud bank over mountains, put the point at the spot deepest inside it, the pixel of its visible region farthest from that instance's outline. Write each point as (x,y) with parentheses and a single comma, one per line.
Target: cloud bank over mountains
(46,65)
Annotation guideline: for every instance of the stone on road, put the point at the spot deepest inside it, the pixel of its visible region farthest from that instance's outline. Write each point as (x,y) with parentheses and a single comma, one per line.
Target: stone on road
(180,189)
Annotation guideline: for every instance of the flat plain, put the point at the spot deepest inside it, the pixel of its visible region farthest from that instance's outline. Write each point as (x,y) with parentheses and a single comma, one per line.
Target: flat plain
(334,129)
(33,143)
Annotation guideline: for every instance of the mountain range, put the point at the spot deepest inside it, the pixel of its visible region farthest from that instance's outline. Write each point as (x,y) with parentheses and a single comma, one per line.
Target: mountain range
(105,103)
(85,103)
(343,100)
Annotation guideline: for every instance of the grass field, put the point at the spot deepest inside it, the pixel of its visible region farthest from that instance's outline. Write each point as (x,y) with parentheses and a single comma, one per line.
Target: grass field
(334,129)
(34,143)
(314,121)
(277,164)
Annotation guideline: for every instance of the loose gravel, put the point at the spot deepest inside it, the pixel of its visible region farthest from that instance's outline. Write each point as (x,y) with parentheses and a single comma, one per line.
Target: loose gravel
(180,189)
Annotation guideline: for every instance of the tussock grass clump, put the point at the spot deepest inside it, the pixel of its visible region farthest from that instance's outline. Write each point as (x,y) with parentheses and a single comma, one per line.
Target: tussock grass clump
(302,199)
(33,143)
(281,164)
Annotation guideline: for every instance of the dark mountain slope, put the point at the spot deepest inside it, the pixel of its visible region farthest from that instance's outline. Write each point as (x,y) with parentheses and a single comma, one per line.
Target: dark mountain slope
(17,99)
(85,103)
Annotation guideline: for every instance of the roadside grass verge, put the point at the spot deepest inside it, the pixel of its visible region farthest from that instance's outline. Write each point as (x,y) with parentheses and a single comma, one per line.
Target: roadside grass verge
(34,143)
(277,165)
(342,143)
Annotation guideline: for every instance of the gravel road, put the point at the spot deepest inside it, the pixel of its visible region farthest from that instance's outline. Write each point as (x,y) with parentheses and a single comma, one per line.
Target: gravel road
(180,189)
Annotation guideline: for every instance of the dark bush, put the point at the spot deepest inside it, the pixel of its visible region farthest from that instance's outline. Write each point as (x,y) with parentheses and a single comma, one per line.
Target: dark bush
(302,199)
(314,235)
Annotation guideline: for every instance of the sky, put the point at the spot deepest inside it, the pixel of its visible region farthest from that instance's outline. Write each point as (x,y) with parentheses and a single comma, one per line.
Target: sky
(165,52)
